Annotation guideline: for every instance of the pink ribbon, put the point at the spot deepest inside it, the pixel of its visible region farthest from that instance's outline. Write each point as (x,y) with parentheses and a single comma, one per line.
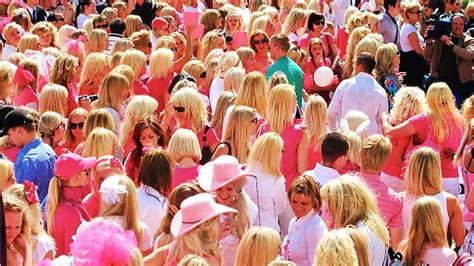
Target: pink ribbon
(22,77)
(30,192)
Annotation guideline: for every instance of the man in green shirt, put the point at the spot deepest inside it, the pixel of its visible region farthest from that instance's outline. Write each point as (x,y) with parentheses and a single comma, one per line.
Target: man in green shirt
(279,46)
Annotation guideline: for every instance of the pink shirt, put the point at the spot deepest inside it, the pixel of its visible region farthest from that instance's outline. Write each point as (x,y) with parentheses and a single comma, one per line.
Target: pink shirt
(439,256)
(468,181)
(291,135)
(341,41)
(452,141)
(182,175)
(211,137)
(92,204)
(394,164)
(26,96)
(10,153)
(139,88)
(89,90)
(158,89)
(314,156)
(388,202)
(349,167)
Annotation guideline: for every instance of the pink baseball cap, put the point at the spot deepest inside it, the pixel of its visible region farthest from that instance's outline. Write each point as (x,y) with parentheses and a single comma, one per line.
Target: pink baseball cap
(196,210)
(71,164)
(220,172)
(158,22)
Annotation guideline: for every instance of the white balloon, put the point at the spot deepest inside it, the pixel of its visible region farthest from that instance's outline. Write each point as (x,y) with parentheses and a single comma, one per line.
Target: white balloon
(323,76)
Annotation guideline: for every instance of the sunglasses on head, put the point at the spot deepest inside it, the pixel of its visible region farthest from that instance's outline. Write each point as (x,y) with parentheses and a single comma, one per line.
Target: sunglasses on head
(262,41)
(203,75)
(179,109)
(75,126)
(319,22)
(255,120)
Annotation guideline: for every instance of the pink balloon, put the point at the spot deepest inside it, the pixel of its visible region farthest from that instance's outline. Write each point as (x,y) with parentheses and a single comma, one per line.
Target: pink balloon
(323,76)
(191,18)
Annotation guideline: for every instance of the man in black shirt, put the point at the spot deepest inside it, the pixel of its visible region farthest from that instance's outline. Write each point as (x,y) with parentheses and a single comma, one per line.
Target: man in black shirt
(145,9)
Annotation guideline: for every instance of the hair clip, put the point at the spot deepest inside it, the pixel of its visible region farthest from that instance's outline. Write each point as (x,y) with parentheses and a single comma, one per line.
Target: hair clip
(22,77)
(30,192)
(111,189)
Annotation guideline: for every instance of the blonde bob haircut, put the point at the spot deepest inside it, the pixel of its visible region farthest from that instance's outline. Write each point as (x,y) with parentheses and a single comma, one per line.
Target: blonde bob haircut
(195,111)
(98,118)
(445,117)
(293,20)
(384,60)
(126,207)
(424,172)
(336,249)
(267,150)
(238,16)
(239,129)
(99,142)
(6,168)
(259,246)
(227,61)
(135,59)
(139,106)
(349,201)
(245,53)
(366,45)
(140,39)
(125,70)
(282,105)
(194,68)
(98,41)
(233,79)
(407,102)
(94,64)
(121,45)
(111,90)
(253,93)
(161,63)
(374,152)
(184,143)
(133,23)
(29,42)
(316,120)
(53,97)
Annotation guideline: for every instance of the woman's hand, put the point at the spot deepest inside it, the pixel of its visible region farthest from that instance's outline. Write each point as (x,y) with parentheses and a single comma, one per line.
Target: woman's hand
(225,228)
(22,245)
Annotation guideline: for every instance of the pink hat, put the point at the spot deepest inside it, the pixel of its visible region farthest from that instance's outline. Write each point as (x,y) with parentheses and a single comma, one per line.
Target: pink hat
(196,210)
(222,171)
(71,164)
(158,22)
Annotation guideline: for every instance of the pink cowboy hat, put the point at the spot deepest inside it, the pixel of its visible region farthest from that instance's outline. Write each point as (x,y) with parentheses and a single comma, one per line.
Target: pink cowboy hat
(220,172)
(196,210)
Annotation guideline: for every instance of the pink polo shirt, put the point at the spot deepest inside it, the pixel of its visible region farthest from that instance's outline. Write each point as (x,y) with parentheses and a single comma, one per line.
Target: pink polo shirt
(158,89)
(451,141)
(291,135)
(26,96)
(182,175)
(388,202)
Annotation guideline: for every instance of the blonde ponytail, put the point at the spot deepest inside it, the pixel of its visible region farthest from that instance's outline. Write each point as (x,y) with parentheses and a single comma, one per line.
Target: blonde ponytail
(53,201)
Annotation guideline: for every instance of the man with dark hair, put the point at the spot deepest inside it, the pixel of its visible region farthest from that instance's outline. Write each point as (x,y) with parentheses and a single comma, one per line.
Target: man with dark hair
(279,46)
(388,25)
(57,19)
(144,9)
(35,160)
(335,150)
(100,22)
(117,28)
(360,93)
(37,13)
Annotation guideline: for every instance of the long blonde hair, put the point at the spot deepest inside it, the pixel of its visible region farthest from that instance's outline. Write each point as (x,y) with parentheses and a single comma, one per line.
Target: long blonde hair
(98,40)
(426,228)
(133,23)
(360,244)
(135,59)
(259,246)
(293,20)
(354,38)
(111,90)
(282,105)
(225,100)
(53,97)
(139,106)
(384,60)
(240,128)
(349,201)
(29,42)
(94,64)
(445,117)
(316,120)
(240,221)
(336,249)
(5,168)
(424,172)
(407,102)
(194,108)
(253,93)
(267,150)
(161,63)
(54,198)
(99,142)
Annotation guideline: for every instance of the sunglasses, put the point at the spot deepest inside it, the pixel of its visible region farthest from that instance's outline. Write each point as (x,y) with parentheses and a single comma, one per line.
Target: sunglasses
(150,45)
(75,126)
(179,109)
(203,75)
(174,49)
(62,125)
(103,26)
(319,22)
(261,41)
(254,121)
(86,172)
(59,19)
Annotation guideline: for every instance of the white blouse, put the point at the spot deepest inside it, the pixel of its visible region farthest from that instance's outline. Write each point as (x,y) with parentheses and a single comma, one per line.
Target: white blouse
(304,234)
(378,253)
(42,244)
(152,206)
(268,193)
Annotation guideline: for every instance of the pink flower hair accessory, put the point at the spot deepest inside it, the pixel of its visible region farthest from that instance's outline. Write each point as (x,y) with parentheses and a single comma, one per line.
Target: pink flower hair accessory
(30,192)
(22,77)
(75,46)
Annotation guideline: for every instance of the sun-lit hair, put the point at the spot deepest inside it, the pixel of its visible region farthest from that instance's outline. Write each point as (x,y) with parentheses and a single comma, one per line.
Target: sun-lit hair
(99,142)
(253,33)
(354,38)
(95,63)
(111,90)
(193,260)
(49,122)
(307,186)
(212,70)
(282,105)
(407,102)
(32,66)
(161,63)
(276,79)
(105,164)
(109,13)
(374,152)
(245,53)
(88,25)
(6,168)
(467,139)
(121,45)
(445,117)
(98,40)
(133,23)
(267,151)
(260,23)
(64,34)
(316,119)
(384,60)
(259,246)
(13,204)
(114,60)
(354,147)
(6,80)
(226,99)
(22,18)
(424,172)
(165,41)
(366,45)
(29,42)
(409,7)
(141,40)
(238,16)
(68,137)
(239,129)
(209,42)
(281,262)
(53,97)
(426,229)
(194,68)
(349,201)
(353,19)
(125,70)
(233,79)
(195,110)
(253,93)
(184,143)
(360,244)
(354,120)
(208,19)
(98,118)
(336,248)
(139,106)
(467,109)
(229,60)
(64,69)
(126,207)
(293,21)
(135,59)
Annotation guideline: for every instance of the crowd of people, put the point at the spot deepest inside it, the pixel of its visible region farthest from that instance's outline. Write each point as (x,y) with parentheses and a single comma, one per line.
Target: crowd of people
(203,132)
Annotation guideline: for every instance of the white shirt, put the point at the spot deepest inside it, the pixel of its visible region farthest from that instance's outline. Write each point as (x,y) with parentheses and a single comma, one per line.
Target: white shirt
(340,7)
(439,256)
(200,8)
(330,15)
(406,30)
(8,50)
(215,91)
(42,244)
(225,122)
(360,93)
(152,206)
(322,174)
(271,199)
(113,38)
(80,20)
(377,248)
(304,234)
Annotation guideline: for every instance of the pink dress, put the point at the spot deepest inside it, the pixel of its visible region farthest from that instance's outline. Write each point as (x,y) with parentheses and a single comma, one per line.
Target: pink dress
(182,175)
(158,89)
(139,88)
(26,96)
(291,135)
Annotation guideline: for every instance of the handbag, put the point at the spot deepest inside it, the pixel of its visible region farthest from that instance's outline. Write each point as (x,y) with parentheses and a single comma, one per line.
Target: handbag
(206,153)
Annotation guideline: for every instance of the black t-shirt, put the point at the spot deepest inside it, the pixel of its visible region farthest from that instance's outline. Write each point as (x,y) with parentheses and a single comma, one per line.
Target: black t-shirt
(146,11)
(447,68)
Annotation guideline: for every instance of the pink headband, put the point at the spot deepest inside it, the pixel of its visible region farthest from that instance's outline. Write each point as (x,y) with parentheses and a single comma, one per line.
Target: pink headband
(30,192)
(22,77)
(75,46)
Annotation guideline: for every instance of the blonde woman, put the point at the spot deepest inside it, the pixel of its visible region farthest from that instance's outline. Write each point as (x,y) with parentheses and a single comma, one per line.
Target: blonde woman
(336,249)
(7,176)
(360,245)
(211,40)
(352,164)
(426,242)
(467,109)
(233,22)
(26,87)
(408,102)
(387,61)
(6,83)
(138,107)
(247,57)
(442,126)
(243,123)
(141,41)
(54,98)
(136,59)
(100,142)
(161,74)
(133,23)
(233,79)
(259,246)
(121,45)
(51,128)
(80,126)
(73,133)
(94,71)
(224,178)
(423,177)
(212,20)
(226,99)
(227,61)
(294,21)
(367,45)
(29,42)
(315,120)
(66,72)
(197,70)
(354,38)
(98,41)
(11,33)
(18,231)
(350,202)
(263,23)
(280,119)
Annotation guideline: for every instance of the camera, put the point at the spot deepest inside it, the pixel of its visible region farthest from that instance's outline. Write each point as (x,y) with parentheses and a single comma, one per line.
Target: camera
(438,25)
(91,98)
